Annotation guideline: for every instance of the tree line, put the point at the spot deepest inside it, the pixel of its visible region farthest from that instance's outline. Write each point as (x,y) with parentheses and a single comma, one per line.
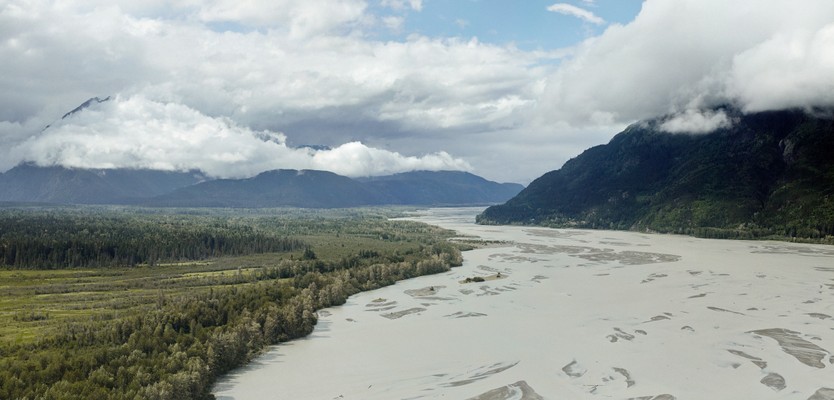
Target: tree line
(179,349)
(46,240)
(202,322)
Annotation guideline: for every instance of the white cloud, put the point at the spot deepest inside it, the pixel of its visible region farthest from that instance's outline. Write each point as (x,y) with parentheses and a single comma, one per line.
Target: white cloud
(393,23)
(574,11)
(790,69)
(696,121)
(416,5)
(318,71)
(135,132)
(356,159)
(301,19)
(321,86)
(692,54)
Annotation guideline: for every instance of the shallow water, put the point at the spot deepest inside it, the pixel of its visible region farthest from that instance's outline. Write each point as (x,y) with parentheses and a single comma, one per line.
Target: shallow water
(574,314)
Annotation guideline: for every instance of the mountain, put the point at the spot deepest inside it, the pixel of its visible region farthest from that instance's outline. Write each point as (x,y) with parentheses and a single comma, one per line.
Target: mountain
(86,104)
(320,189)
(279,188)
(442,188)
(28,183)
(770,173)
(31,183)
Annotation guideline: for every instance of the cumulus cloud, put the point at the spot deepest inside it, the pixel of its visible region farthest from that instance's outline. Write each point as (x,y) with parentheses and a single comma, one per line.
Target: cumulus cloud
(356,159)
(794,68)
(696,121)
(692,54)
(263,68)
(393,23)
(319,72)
(135,132)
(416,5)
(574,11)
(301,19)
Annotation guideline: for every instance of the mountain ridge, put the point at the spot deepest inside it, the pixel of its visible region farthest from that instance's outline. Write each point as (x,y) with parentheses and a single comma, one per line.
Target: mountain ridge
(28,183)
(769,173)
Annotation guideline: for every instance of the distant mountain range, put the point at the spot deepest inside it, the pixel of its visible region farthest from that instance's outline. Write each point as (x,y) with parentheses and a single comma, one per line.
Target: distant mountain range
(770,173)
(281,188)
(30,183)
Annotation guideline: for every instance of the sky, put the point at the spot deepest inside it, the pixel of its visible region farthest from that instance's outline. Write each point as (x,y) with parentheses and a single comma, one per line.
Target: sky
(504,89)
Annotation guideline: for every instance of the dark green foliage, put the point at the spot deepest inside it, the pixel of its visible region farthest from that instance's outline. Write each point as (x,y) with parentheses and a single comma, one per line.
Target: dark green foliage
(50,240)
(308,254)
(177,343)
(770,174)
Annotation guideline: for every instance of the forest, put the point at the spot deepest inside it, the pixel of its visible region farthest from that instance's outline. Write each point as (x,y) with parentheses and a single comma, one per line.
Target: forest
(150,304)
(769,176)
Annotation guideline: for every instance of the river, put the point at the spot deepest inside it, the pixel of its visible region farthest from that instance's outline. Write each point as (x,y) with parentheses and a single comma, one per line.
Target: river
(573,314)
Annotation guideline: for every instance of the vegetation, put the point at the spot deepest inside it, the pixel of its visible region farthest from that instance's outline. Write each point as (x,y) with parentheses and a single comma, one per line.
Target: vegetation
(279,188)
(126,330)
(46,240)
(770,175)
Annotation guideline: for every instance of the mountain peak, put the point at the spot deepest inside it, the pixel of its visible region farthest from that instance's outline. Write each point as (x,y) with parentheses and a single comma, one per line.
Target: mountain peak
(88,103)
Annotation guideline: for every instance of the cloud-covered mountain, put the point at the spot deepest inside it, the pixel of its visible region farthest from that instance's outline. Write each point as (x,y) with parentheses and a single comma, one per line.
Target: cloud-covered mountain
(278,188)
(139,133)
(323,72)
(766,173)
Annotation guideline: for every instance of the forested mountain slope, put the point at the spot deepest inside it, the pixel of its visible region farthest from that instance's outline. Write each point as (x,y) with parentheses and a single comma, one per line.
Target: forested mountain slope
(442,188)
(29,183)
(770,173)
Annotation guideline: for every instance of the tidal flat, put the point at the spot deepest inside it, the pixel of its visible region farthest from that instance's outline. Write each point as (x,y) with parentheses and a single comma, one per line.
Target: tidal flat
(576,314)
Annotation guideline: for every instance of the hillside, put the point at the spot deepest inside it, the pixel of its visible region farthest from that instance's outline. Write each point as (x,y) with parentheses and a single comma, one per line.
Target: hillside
(321,189)
(442,188)
(279,188)
(770,173)
(28,183)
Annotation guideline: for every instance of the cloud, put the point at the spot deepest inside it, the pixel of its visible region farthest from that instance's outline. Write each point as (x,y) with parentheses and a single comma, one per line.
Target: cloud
(301,19)
(327,72)
(416,5)
(793,68)
(686,54)
(393,23)
(696,121)
(356,159)
(578,12)
(262,69)
(135,132)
